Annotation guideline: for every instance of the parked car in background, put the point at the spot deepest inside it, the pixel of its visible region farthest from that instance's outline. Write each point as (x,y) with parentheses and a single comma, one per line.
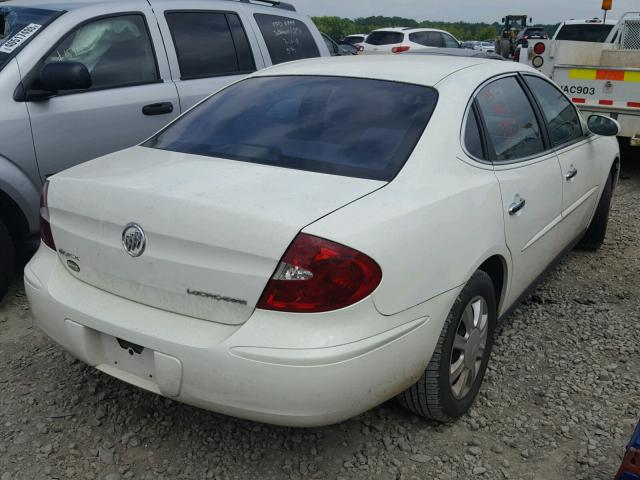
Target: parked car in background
(357,40)
(590,30)
(403,39)
(489,47)
(291,251)
(530,33)
(82,79)
(337,50)
(470,45)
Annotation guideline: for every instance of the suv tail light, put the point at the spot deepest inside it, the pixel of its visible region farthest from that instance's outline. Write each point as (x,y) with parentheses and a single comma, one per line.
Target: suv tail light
(318,275)
(45,227)
(539,48)
(400,49)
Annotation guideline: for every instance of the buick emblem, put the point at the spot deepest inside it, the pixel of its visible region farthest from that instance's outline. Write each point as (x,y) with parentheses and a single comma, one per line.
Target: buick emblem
(134,240)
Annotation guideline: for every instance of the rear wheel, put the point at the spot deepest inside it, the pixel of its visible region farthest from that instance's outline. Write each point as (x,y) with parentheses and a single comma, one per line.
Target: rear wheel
(7,259)
(595,235)
(455,372)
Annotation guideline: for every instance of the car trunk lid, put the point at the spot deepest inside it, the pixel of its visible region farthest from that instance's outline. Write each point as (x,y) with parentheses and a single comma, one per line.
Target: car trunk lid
(215,229)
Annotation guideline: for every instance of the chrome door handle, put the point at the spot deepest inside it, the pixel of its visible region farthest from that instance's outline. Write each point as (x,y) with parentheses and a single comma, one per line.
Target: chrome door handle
(571,174)
(515,207)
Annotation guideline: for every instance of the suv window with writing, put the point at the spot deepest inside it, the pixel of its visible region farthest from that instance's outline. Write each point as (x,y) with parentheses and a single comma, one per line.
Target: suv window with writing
(209,44)
(511,122)
(562,118)
(117,51)
(287,39)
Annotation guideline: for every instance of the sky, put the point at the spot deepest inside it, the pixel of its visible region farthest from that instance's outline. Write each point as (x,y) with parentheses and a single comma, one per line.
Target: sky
(542,11)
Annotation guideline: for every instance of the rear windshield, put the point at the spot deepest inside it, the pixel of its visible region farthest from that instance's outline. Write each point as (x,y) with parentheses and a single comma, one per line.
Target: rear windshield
(18,26)
(314,123)
(584,33)
(385,38)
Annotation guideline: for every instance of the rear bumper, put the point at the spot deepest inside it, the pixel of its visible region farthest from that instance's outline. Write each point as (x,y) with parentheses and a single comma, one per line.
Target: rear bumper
(230,369)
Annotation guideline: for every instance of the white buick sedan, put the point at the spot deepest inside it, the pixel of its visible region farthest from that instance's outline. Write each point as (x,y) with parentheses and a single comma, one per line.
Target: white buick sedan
(323,236)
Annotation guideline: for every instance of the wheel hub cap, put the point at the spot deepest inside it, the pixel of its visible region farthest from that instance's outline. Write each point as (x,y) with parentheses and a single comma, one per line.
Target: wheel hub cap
(469,347)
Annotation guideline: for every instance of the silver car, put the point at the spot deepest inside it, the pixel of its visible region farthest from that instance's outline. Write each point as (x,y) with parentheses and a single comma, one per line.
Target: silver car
(82,79)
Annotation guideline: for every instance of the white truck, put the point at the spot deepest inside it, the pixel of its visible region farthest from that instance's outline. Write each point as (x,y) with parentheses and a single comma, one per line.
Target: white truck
(600,76)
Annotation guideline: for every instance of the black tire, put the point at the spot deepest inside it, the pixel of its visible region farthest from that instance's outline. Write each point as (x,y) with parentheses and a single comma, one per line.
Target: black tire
(432,396)
(597,231)
(7,259)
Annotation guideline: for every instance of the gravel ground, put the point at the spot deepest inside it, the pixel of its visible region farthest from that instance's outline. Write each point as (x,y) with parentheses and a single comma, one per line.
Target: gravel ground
(560,399)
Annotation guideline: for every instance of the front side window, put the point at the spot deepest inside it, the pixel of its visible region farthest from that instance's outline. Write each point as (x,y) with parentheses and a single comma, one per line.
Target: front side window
(287,39)
(18,25)
(314,123)
(385,38)
(209,44)
(510,120)
(449,41)
(428,39)
(117,51)
(560,114)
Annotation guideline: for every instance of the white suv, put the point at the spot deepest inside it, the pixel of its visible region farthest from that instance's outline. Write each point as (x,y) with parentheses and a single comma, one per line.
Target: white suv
(403,39)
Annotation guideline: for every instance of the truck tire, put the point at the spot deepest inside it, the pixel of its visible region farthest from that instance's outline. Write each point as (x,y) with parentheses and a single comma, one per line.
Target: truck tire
(7,259)
(449,385)
(597,231)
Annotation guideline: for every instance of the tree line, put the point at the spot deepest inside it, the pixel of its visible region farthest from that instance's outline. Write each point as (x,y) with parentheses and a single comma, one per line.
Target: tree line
(338,28)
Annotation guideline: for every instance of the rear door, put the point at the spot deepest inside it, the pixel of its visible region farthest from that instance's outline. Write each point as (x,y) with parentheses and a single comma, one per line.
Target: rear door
(529,176)
(579,160)
(208,45)
(132,95)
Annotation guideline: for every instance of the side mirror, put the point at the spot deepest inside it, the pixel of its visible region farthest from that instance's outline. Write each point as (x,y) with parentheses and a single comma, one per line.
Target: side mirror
(605,126)
(61,76)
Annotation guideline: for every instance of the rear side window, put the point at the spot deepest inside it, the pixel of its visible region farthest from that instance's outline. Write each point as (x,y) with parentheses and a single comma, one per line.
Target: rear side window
(511,123)
(561,115)
(385,38)
(472,137)
(584,33)
(116,50)
(209,44)
(314,123)
(428,39)
(287,39)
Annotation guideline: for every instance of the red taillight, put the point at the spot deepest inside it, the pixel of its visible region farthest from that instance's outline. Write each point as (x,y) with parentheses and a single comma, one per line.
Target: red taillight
(539,48)
(45,227)
(516,55)
(400,49)
(318,275)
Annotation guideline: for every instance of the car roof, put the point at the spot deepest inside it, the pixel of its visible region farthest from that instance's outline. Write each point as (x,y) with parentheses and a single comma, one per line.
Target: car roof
(589,21)
(415,69)
(408,29)
(68,5)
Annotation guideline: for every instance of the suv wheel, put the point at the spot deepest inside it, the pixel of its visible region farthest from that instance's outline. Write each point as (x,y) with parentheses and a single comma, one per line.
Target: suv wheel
(7,259)
(457,367)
